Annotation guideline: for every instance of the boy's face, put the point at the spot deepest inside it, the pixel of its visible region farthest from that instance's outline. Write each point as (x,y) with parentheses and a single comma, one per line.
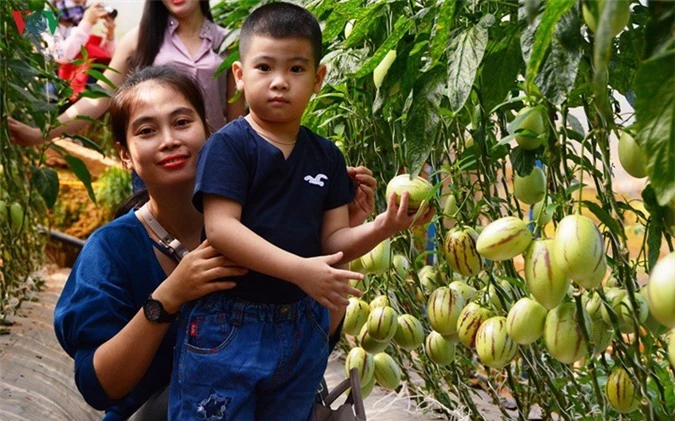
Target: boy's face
(278,77)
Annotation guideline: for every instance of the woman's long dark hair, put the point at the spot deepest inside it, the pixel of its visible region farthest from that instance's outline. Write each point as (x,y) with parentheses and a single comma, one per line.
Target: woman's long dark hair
(151,34)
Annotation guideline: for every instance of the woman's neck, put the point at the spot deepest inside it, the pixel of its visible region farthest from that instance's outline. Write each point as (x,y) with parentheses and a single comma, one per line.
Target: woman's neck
(191,25)
(174,211)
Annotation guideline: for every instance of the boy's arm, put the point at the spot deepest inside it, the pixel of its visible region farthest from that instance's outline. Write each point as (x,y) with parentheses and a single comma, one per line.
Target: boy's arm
(315,276)
(356,241)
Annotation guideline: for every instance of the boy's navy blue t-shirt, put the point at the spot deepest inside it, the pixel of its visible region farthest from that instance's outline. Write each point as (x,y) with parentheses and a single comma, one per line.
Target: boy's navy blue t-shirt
(283,200)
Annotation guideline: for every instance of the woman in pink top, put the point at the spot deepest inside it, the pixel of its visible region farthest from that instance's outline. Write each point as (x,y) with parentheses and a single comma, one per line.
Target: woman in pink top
(175,32)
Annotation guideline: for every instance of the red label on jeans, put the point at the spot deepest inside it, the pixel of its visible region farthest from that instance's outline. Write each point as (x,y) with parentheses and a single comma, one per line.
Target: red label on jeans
(193,329)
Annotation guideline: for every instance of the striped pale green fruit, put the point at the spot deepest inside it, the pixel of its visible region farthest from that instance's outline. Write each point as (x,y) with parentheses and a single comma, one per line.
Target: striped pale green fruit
(504,239)
(387,372)
(439,349)
(417,187)
(577,246)
(470,319)
(592,304)
(531,188)
(625,311)
(378,260)
(367,388)
(563,337)
(401,265)
(525,321)
(465,290)
(631,156)
(661,291)
(409,333)
(495,298)
(494,346)
(460,251)
(450,207)
(541,214)
(601,334)
(430,277)
(595,278)
(614,296)
(365,341)
(379,301)
(545,281)
(356,316)
(361,360)
(621,392)
(443,310)
(382,323)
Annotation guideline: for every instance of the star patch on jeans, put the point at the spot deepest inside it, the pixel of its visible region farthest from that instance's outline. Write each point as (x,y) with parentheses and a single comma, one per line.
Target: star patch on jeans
(213,408)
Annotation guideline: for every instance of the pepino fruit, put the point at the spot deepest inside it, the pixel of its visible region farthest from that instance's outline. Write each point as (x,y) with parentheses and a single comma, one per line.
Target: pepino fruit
(470,319)
(460,251)
(439,349)
(429,276)
(417,187)
(450,207)
(365,341)
(529,127)
(356,316)
(601,335)
(443,310)
(525,321)
(547,284)
(504,239)
(387,373)
(595,278)
(631,156)
(530,188)
(562,333)
(379,301)
(661,291)
(361,360)
(671,347)
(382,323)
(621,392)
(378,260)
(382,68)
(577,246)
(494,346)
(401,265)
(465,290)
(409,333)
(541,213)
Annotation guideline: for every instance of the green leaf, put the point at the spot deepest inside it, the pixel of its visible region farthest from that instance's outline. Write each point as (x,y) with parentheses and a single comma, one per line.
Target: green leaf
(82,173)
(100,76)
(523,160)
(46,181)
(542,39)
(400,28)
(227,63)
(94,90)
(423,122)
(365,19)
(500,67)
(655,106)
(604,217)
(654,236)
(559,71)
(441,32)
(466,53)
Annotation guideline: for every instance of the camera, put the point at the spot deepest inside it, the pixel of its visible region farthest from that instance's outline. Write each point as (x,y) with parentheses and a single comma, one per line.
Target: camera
(111,12)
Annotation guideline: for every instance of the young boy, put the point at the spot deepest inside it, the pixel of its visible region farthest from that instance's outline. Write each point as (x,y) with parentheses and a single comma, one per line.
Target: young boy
(274,197)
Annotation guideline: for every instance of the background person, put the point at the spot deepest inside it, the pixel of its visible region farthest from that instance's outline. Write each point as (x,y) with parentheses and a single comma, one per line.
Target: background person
(177,33)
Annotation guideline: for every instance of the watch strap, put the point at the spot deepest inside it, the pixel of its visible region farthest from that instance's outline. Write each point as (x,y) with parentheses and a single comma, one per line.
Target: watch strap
(164,316)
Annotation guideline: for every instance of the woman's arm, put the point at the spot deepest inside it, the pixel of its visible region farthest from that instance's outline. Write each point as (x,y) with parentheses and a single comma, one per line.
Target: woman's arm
(25,135)
(135,346)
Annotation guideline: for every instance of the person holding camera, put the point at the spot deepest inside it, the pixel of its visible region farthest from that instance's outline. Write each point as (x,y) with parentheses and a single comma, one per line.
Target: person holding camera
(75,32)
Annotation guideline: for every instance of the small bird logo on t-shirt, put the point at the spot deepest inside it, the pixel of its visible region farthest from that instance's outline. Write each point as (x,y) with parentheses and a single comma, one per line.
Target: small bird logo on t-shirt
(316,179)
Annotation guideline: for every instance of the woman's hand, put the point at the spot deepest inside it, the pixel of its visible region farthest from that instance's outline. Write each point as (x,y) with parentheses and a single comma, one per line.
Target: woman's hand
(201,272)
(22,134)
(364,200)
(109,24)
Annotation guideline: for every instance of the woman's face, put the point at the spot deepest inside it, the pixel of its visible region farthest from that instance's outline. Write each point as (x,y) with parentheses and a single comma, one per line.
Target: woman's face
(182,8)
(164,136)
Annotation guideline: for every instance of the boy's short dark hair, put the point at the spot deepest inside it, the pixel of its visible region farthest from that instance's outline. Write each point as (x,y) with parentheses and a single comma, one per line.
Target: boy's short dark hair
(282,20)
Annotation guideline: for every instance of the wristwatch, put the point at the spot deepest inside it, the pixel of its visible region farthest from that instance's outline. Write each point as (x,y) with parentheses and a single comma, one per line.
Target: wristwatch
(154,311)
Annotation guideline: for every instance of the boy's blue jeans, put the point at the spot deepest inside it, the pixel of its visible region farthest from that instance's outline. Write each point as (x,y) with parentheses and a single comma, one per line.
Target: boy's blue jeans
(236,360)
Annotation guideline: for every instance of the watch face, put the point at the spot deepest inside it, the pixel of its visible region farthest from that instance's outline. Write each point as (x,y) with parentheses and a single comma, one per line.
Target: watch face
(152,310)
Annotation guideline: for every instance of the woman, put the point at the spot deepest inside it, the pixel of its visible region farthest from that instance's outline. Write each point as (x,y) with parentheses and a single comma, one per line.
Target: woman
(107,317)
(180,33)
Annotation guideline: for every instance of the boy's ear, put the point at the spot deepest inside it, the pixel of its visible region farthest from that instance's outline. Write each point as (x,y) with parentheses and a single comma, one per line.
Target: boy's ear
(238,73)
(320,75)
